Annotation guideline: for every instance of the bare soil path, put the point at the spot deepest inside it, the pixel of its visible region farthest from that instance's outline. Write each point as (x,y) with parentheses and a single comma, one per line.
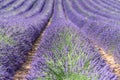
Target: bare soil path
(23,71)
(110,60)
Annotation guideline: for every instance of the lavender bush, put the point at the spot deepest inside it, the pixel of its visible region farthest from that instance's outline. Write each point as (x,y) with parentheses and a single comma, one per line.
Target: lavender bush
(67,49)
(105,35)
(67,54)
(17,38)
(100,27)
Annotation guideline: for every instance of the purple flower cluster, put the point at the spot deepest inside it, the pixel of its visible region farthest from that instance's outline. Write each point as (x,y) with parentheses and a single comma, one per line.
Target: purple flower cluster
(98,68)
(76,26)
(51,36)
(99,20)
(106,35)
(17,35)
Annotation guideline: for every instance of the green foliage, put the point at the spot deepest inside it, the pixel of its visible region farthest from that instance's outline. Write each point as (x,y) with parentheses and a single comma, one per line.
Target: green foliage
(6,39)
(76,76)
(66,53)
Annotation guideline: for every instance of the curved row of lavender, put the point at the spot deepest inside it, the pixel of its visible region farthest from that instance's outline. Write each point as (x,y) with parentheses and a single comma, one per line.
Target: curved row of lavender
(23,24)
(99,21)
(64,53)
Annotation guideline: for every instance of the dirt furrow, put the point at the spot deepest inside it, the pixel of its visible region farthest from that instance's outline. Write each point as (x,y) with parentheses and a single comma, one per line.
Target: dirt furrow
(109,58)
(20,74)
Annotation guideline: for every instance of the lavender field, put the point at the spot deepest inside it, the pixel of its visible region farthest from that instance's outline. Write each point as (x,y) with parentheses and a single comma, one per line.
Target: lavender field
(59,39)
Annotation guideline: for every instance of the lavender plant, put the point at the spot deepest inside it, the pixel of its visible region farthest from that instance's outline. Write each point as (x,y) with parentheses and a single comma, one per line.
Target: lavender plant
(96,9)
(90,10)
(65,57)
(17,38)
(6,39)
(105,36)
(78,20)
(64,53)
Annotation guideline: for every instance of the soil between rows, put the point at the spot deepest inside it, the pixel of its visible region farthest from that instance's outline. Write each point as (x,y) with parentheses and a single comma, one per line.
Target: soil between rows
(23,71)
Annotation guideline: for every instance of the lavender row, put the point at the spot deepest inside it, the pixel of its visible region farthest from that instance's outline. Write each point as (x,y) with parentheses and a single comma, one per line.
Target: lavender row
(64,52)
(26,6)
(109,34)
(82,12)
(5,3)
(35,10)
(101,11)
(82,17)
(113,3)
(107,5)
(15,43)
(62,42)
(17,39)
(94,11)
(23,8)
(72,15)
(80,8)
(58,11)
(34,19)
(12,6)
(106,35)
